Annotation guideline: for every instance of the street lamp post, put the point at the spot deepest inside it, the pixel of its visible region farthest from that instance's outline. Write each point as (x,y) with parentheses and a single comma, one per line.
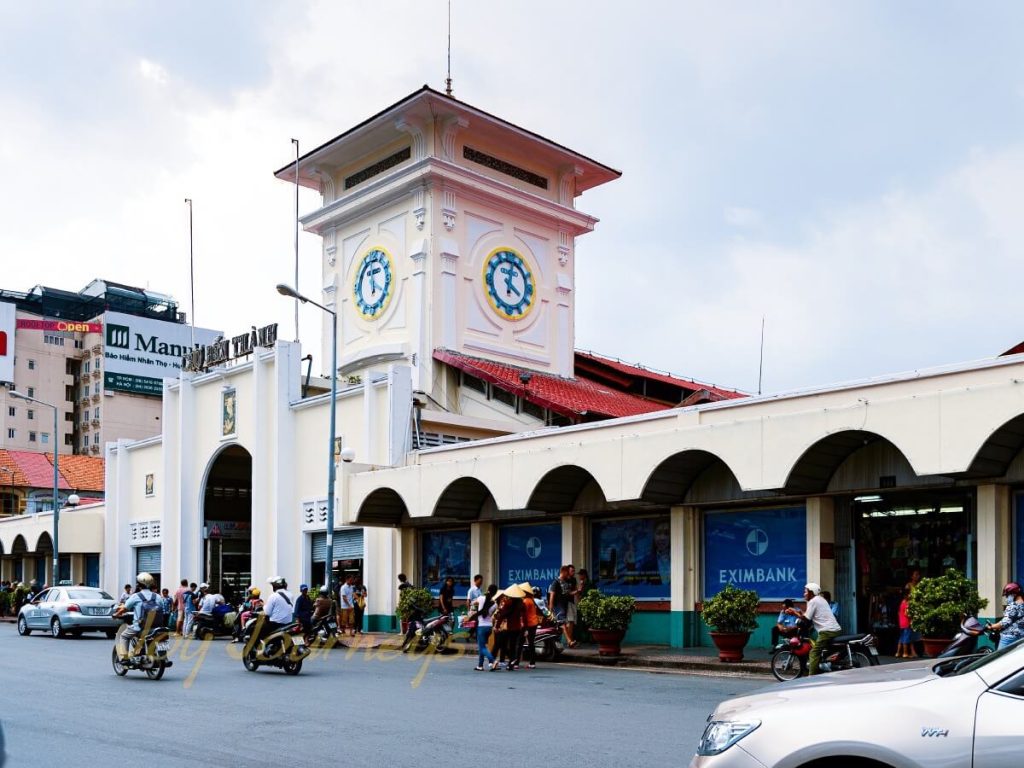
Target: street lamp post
(56,480)
(286,290)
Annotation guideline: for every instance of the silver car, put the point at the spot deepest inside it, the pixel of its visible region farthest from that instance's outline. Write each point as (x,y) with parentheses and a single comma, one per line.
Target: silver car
(69,610)
(957,712)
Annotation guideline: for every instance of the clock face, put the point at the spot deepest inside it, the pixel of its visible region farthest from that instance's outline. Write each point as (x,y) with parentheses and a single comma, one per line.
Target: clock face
(509,284)
(374,283)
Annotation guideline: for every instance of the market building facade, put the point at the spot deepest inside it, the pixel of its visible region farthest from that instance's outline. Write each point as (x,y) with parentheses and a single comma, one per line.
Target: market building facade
(485,443)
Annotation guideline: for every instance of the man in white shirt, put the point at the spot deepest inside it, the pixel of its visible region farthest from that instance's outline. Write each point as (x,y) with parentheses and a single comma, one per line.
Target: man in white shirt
(346,606)
(278,610)
(475,592)
(824,621)
(210,601)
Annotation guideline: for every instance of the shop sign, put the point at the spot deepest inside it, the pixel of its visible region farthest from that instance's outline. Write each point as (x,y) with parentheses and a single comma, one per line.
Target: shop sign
(63,326)
(140,385)
(764,550)
(227,529)
(530,553)
(444,554)
(8,314)
(633,557)
(220,351)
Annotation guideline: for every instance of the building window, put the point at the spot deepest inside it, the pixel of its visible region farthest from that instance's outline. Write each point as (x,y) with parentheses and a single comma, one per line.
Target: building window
(531,409)
(31,437)
(69,392)
(472,382)
(96,388)
(54,339)
(85,443)
(79,344)
(85,368)
(10,434)
(503,396)
(31,413)
(96,414)
(44,438)
(96,439)
(31,391)
(69,440)
(31,365)
(96,365)
(11,411)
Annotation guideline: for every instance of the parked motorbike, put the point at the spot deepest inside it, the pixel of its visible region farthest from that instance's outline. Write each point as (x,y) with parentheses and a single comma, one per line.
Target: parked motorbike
(323,630)
(424,633)
(285,648)
(147,652)
(217,624)
(965,642)
(789,659)
(547,643)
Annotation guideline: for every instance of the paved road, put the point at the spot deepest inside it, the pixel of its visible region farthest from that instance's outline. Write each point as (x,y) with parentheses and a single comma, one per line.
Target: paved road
(61,704)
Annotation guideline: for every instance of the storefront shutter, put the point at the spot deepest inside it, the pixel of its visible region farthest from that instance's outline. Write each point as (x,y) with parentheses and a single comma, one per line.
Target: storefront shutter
(148,559)
(348,545)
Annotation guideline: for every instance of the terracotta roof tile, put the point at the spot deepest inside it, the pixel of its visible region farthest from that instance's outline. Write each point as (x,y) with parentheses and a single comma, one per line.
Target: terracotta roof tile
(82,473)
(568,397)
(38,470)
(35,470)
(667,378)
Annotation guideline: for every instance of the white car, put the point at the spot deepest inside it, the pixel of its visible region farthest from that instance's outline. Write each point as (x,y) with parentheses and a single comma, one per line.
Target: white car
(953,713)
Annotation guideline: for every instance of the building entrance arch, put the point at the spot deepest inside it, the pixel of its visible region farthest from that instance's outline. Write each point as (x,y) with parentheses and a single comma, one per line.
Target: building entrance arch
(227,522)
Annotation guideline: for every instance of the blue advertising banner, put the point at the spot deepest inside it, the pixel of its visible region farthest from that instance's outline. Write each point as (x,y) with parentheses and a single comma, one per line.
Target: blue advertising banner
(1019,538)
(444,554)
(530,553)
(764,550)
(633,557)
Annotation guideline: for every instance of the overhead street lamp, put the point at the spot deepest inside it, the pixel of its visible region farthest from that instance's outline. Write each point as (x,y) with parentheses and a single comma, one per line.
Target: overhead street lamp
(287,290)
(56,479)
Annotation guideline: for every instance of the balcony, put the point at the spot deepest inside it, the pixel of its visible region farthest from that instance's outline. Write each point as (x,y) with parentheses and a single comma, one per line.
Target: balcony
(97,349)
(96,422)
(94,448)
(85,399)
(95,397)
(96,373)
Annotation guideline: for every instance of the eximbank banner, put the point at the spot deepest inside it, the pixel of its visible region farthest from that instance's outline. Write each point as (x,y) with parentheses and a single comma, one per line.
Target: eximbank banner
(764,550)
(139,353)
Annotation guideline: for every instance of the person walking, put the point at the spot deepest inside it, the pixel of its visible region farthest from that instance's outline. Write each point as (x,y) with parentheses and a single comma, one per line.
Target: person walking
(484,608)
(531,620)
(1011,626)
(475,592)
(508,620)
(189,600)
(360,595)
(179,607)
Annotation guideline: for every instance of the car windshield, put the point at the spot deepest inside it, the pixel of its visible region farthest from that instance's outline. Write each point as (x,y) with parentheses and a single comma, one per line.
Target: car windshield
(88,594)
(945,670)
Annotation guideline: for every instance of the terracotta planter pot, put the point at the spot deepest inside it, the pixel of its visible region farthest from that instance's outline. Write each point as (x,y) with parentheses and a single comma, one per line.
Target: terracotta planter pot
(933,646)
(730,645)
(609,641)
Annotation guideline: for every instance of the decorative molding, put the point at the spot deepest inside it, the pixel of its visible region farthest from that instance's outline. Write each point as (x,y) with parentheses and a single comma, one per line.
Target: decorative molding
(563,247)
(503,166)
(449,256)
(567,184)
(314,515)
(419,136)
(326,185)
(563,284)
(378,168)
(331,245)
(419,207)
(448,212)
(449,130)
(418,253)
(143,533)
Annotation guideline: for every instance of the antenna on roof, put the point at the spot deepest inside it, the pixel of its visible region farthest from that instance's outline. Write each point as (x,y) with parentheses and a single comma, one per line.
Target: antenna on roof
(191,274)
(760,362)
(448,80)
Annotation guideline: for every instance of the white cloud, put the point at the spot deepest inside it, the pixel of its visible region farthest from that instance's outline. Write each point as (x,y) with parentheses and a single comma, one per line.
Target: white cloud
(152,71)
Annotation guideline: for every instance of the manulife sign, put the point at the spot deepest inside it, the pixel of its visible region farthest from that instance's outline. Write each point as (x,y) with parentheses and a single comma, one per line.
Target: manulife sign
(139,353)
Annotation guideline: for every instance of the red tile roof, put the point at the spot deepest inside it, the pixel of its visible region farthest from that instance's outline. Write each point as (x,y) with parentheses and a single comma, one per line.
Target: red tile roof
(638,371)
(35,470)
(568,397)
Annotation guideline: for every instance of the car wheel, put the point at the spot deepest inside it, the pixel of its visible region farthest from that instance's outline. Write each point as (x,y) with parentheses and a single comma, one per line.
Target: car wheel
(786,665)
(55,628)
(860,660)
(23,629)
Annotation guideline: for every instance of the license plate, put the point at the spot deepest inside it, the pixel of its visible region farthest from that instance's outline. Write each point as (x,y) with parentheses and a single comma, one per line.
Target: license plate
(873,650)
(163,647)
(299,641)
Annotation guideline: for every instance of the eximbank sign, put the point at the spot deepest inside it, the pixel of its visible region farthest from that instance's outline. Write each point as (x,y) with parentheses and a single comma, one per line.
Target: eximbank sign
(140,353)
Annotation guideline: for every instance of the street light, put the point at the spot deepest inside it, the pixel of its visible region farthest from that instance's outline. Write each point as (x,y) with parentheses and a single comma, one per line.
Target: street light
(287,290)
(56,479)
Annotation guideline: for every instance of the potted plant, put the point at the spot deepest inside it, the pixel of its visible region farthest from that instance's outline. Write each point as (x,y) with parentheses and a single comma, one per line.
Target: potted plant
(938,605)
(608,618)
(412,601)
(732,615)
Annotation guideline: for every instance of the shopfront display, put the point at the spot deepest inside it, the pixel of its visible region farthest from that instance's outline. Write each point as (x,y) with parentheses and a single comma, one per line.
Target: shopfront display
(764,550)
(444,554)
(632,556)
(530,553)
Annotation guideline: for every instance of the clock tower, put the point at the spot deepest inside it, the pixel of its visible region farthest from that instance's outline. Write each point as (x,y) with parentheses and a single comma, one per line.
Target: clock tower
(445,227)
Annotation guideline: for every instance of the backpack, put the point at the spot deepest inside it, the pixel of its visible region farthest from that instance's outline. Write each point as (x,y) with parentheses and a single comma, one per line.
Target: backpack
(152,615)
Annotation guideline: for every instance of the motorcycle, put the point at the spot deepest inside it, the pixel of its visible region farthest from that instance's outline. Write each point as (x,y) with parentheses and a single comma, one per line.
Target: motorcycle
(217,624)
(323,630)
(433,633)
(965,642)
(147,653)
(547,643)
(284,648)
(789,659)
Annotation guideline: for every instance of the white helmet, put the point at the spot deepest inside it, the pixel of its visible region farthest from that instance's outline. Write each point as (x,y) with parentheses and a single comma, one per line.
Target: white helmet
(324,590)
(814,589)
(277,582)
(146,580)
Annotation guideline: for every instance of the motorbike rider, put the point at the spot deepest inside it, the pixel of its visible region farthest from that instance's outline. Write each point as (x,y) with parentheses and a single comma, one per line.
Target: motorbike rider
(278,610)
(252,604)
(135,603)
(304,609)
(323,606)
(1012,624)
(818,612)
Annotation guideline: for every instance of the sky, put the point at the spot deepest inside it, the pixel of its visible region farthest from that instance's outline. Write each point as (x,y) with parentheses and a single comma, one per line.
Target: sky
(851,173)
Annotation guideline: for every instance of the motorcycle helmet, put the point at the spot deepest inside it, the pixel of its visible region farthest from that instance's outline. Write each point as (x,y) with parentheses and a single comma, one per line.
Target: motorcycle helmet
(254,592)
(536,591)
(145,580)
(278,582)
(1012,588)
(324,590)
(814,589)
(204,585)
